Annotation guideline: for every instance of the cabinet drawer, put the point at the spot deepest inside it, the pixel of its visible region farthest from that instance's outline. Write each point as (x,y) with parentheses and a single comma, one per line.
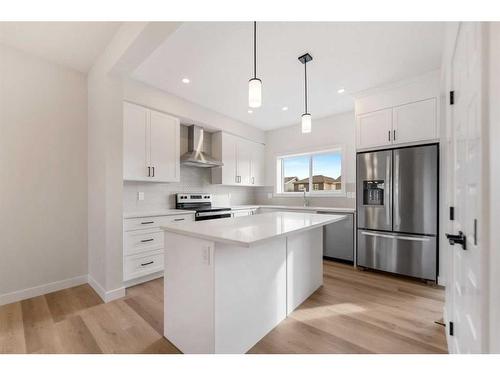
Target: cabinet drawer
(142,240)
(154,221)
(142,265)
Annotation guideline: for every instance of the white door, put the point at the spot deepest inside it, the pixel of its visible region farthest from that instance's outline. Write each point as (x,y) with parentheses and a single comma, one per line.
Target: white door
(164,141)
(134,142)
(415,122)
(465,302)
(374,128)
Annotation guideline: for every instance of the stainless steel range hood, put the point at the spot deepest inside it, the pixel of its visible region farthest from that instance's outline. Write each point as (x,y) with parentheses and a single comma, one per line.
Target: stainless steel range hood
(195,156)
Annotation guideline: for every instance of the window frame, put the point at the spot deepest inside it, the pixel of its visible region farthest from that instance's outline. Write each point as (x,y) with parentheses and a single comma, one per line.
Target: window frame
(279,184)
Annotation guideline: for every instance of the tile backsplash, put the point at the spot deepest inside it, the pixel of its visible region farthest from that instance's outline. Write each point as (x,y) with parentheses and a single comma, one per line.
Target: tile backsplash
(159,196)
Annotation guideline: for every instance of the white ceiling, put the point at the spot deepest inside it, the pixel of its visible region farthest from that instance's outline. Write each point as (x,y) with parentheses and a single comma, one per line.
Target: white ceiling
(217,58)
(73,44)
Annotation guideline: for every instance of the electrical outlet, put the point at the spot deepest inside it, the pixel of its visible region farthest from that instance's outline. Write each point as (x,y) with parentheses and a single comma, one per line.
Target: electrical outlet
(140,195)
(206,255)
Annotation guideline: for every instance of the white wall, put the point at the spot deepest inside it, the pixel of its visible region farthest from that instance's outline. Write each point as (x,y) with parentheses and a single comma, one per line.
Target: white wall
(43,172)
(337,130)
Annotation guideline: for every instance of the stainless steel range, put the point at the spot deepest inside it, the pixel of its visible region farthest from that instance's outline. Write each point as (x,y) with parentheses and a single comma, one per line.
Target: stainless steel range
(397,206)
(202,204)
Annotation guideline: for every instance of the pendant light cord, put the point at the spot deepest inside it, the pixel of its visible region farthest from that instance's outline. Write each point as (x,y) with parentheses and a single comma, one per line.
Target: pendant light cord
(255,49)
(305,82)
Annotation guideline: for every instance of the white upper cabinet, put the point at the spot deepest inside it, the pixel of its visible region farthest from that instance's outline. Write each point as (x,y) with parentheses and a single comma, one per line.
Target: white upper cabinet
(415,122)
(374,129)
(243,160)
(151,145)
(404,113)
(135,125)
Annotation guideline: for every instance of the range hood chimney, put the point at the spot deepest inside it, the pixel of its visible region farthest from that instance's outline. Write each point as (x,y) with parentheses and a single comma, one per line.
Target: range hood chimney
(195,156)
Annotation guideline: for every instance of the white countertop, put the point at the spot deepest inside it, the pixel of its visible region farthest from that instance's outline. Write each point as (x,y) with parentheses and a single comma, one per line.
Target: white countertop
(164,212)
(249,230)
(308,208)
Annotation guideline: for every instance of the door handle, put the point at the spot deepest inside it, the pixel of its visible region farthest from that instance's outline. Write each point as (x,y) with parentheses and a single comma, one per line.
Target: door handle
(149,171)
(389,135)
(153,172)
(394,135)
(457,239)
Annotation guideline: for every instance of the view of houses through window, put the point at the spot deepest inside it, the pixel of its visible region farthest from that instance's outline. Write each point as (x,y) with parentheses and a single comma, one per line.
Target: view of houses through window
(322,170)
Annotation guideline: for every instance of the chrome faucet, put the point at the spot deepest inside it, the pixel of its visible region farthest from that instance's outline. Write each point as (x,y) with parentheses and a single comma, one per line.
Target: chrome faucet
(306,202)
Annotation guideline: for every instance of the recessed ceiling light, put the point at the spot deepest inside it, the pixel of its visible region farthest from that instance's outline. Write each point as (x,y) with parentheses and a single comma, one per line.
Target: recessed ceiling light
(284,109)
(185,80)
(250,111)
(341,91)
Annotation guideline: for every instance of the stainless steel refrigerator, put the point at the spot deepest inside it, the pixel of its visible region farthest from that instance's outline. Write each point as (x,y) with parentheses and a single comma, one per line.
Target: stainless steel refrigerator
(397,210)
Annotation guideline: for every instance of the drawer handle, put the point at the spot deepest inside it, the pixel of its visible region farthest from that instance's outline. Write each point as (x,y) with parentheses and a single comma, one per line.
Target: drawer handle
(179,219)
(148,240)
(147,264)
(148,222)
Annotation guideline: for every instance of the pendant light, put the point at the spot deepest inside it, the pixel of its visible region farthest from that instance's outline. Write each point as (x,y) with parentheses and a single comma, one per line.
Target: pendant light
(255,84)
(306,117)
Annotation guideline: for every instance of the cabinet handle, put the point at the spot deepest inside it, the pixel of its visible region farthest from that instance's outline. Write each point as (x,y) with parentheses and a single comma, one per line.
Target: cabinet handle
(394,135)
(148,240)
(389,135)
(148,222)
(147,264)
(253,180)
(179,219)
(153,171)
(149,171)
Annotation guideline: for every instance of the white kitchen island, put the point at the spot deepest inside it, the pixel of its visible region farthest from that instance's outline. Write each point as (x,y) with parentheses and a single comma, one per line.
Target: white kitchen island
(228,282)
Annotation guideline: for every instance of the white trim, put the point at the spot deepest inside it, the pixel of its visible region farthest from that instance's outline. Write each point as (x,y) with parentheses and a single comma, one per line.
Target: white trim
(143,279)
(106,296)
(39,290)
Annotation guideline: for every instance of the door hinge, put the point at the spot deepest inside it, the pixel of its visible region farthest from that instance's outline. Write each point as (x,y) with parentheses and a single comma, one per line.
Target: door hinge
(452,213)
(451,330)
(452,97)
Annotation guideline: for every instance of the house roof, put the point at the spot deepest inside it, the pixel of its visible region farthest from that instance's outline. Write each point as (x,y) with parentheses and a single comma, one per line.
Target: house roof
(290,179)
(318,179)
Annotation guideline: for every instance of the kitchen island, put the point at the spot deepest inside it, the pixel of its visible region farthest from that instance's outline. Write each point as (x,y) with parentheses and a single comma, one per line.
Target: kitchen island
(228,282)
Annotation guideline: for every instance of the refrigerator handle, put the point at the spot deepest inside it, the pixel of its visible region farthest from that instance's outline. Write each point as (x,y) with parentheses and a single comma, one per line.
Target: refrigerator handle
(396,219)
(388,190)
(396,237)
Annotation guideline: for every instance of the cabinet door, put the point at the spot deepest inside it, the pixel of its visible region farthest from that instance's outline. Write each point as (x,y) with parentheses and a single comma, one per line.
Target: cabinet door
(243,161)
(415,121)
(164,144)
(134,142)
(258,164)
(374,129)
(229,145)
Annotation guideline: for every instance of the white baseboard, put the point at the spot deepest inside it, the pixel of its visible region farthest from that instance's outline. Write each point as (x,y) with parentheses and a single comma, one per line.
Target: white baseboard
(106,295)
(36,291)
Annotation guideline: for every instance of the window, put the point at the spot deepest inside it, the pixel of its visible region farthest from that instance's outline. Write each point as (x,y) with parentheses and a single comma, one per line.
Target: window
(322,170)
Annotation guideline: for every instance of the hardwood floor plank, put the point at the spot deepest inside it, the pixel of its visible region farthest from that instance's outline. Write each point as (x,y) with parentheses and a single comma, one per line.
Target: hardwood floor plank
(39,331)
(11,329)
(150,311)
(74,337)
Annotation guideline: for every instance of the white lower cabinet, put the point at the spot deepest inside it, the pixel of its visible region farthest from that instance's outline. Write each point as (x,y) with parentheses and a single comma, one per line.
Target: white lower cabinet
(143,244)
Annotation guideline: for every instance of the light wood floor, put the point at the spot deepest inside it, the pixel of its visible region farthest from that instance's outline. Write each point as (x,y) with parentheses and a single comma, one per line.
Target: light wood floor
(354,312)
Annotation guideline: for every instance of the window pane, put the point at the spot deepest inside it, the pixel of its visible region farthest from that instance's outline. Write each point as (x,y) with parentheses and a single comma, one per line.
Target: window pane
(296,174)
(326,169)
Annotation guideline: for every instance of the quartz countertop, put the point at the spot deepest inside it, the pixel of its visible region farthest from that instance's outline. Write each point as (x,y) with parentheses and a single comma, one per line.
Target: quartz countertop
(250,230)
(164,212)
(308,208)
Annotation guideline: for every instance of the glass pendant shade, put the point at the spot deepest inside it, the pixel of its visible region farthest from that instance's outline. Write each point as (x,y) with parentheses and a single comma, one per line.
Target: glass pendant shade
(306,123)
(254,93)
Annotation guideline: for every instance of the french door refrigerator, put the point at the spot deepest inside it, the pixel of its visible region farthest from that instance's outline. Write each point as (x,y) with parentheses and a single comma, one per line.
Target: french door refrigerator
(397,207)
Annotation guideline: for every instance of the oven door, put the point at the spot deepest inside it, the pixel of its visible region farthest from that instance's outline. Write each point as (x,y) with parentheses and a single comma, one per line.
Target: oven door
(209,215)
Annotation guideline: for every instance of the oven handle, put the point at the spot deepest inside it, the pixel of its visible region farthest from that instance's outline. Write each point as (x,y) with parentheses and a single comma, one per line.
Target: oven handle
(214,213)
